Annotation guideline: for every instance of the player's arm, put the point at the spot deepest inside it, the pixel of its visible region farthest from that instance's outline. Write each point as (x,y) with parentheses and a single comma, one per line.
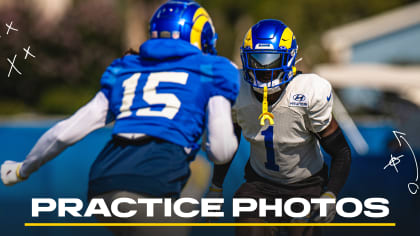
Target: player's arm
(90,117)
(225,83)
(334,143)
(332,140)
(221,143)
(220,171)
(223,89)
(329,133)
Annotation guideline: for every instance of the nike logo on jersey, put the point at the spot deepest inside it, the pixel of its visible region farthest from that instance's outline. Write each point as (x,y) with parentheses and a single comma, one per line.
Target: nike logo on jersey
(329,97)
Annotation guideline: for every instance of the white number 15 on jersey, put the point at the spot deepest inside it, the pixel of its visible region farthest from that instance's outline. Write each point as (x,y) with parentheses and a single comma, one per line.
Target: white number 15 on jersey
(150,96)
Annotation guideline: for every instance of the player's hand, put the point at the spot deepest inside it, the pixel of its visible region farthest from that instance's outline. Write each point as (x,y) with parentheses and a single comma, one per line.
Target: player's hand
(10,173)
(331,212)
(214,192)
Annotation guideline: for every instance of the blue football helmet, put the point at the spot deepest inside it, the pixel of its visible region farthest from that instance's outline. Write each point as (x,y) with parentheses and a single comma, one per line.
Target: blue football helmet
(186,20)
(268,55)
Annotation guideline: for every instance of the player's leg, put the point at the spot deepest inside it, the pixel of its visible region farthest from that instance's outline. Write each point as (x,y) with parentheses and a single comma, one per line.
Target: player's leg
(126,168)
(256,191)
(256,187)
(254,230)
(309,189)
(141,217)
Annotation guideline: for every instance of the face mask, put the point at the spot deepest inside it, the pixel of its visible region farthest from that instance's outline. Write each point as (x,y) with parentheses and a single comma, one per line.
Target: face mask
(269,91)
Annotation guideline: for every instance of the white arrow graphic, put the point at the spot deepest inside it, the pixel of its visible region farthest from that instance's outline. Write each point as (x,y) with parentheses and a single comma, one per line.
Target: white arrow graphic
(413,186)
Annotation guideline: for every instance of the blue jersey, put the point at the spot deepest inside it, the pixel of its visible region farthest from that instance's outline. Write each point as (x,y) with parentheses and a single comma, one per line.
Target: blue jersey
(163,92)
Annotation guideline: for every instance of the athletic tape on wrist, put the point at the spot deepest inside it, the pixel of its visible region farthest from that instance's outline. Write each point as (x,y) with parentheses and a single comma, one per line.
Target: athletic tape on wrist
(17,172)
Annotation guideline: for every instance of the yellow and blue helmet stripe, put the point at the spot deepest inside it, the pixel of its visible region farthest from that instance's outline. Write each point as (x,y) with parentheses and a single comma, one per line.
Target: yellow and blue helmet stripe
(186,20)
(268,54)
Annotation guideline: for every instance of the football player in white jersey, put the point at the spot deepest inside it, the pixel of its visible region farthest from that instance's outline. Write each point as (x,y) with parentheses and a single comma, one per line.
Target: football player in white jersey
(286,116)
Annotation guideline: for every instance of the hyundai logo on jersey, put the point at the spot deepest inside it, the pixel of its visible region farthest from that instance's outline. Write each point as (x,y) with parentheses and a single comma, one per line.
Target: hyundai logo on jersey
(298,100)
(299,97)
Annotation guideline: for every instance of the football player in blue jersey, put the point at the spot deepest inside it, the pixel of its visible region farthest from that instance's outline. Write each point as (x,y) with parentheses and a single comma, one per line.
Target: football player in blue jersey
(286,116)
(161,100)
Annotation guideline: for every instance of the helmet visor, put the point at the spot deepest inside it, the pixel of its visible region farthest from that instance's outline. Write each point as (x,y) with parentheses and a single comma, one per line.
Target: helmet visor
(267,60)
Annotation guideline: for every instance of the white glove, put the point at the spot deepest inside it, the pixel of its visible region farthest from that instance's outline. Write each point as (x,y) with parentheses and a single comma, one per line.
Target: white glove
(214,192)
(331,212)
(10,173)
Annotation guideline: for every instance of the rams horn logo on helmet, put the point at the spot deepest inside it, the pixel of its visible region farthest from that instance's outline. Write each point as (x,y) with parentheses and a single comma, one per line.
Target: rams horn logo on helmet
(186,20)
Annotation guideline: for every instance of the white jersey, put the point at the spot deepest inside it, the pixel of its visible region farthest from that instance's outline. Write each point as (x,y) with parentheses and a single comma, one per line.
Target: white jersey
(288,151)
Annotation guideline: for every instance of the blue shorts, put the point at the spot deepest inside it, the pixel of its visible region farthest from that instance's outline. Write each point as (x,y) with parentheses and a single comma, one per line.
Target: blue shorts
(151,166)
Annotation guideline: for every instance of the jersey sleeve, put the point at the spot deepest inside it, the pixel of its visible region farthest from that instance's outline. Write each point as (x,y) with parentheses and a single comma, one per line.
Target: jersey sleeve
(320,107)
(225,80)
(221,143)
(90,117)
(109,77)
